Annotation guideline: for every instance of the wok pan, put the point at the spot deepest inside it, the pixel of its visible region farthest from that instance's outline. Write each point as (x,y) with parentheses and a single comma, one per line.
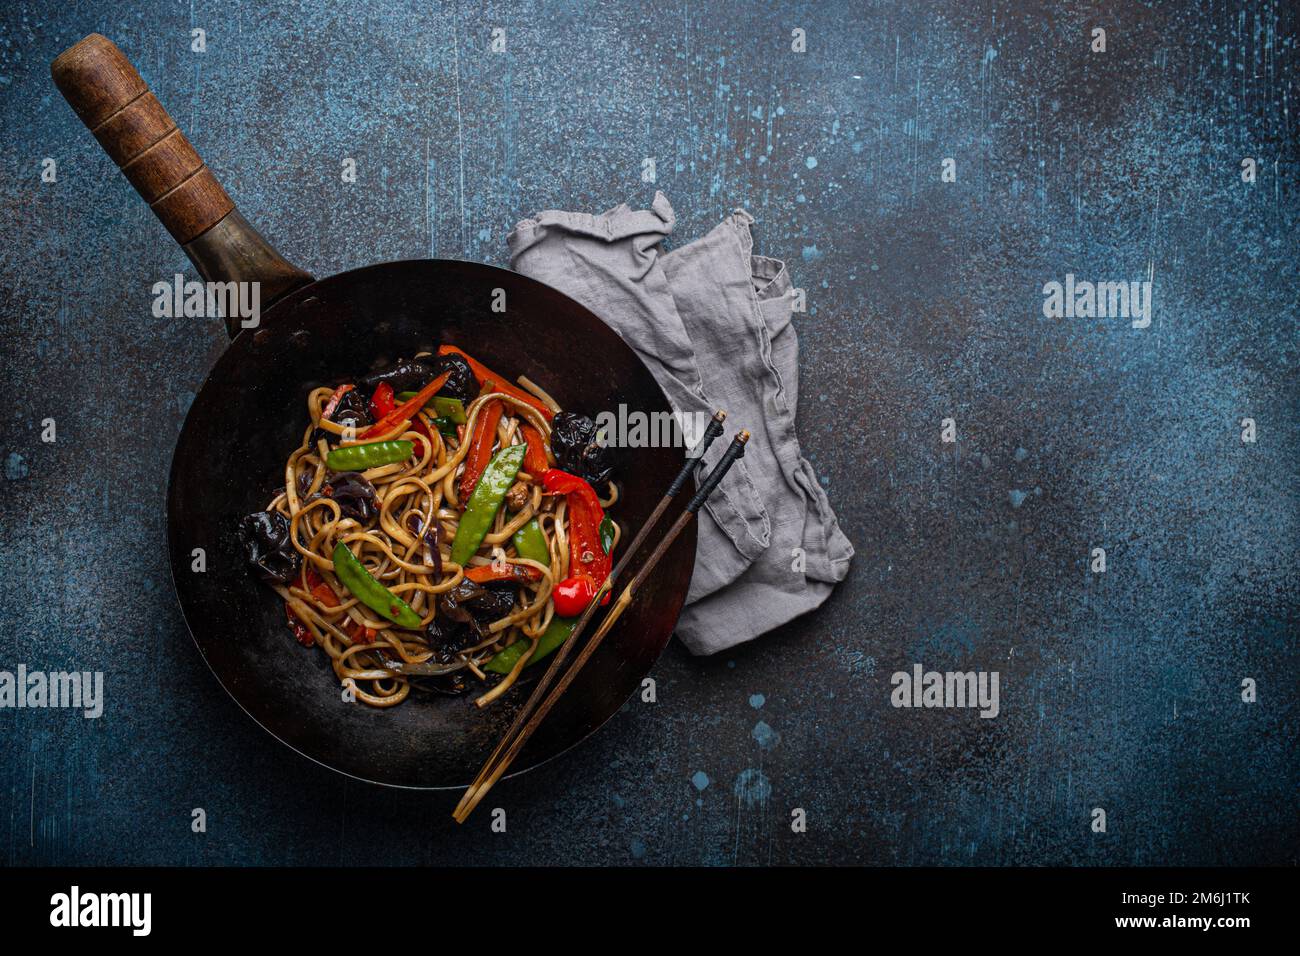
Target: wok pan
(250,413)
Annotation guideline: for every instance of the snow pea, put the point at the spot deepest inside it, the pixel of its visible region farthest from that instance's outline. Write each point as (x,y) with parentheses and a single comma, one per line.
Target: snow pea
(354,576)
(485,501)
(371,455)
(555,634)
(452,409)
(446,426)
(530,543)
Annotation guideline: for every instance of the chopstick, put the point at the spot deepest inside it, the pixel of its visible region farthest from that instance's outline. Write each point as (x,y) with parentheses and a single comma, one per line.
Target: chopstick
(711,431)
(492,773)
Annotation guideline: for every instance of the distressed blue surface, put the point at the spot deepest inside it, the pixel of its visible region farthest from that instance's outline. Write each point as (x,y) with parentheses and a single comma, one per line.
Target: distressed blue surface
(1119,690)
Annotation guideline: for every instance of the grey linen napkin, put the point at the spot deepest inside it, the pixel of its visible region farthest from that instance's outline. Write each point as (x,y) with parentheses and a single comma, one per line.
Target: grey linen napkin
(712,322)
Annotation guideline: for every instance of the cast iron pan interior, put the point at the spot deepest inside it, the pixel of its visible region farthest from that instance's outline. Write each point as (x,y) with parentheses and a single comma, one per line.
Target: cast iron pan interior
(250,414)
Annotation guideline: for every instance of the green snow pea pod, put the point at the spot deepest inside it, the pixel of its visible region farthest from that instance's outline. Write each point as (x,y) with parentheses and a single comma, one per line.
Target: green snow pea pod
(372,455)
(446,426)
(354,576)
(452,409)
(531,543)
(554,635)
(485,501)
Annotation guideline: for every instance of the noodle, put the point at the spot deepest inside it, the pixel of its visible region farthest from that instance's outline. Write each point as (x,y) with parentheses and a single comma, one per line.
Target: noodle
(405,545)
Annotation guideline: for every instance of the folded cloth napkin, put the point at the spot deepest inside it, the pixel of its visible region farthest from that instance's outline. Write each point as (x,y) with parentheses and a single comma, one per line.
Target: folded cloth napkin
(712,322)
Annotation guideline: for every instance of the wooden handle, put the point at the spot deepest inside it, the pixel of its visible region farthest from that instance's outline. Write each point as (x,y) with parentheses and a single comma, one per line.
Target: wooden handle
(105,90)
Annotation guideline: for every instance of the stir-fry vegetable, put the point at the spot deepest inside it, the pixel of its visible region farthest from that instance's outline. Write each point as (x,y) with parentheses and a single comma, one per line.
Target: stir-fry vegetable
(514,573)
(464,614)
(315,585)
(372,455)
(405,411)
(450,412)
(535,461)
(485,374)
(530,543)
(418,426)
(462,383)
(354,576)
(452,409)
(333,403)
(348,409)
(354,495)
(573,594)
(483,504)
(381,402)
(268,546)
(587,553)
(480,446)
(406,374)
(446,426)
(575,440)
(555,634)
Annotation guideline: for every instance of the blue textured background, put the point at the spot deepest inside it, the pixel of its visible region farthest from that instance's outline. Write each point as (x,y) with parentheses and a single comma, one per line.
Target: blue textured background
(1119,690)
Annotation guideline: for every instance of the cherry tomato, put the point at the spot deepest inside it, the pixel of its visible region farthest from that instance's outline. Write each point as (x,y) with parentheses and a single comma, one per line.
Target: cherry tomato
(572,595)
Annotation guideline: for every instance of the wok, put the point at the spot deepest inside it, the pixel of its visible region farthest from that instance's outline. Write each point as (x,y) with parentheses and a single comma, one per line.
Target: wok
(250,413)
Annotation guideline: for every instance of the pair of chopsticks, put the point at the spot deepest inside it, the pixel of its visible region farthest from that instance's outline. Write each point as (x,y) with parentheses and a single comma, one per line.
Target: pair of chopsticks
(539,703)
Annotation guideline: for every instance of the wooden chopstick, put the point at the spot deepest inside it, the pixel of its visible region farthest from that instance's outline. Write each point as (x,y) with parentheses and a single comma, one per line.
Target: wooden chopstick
(712,431)
(481,787)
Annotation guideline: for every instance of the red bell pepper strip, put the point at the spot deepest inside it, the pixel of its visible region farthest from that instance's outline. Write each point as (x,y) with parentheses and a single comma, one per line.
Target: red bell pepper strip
(480,447)
(407,410)
(517,573)
(485,374)
(381,403)
(535,457)
(586,553)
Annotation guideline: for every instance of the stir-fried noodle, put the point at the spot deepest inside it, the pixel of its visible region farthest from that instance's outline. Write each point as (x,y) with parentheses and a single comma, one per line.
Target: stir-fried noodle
(400,519)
